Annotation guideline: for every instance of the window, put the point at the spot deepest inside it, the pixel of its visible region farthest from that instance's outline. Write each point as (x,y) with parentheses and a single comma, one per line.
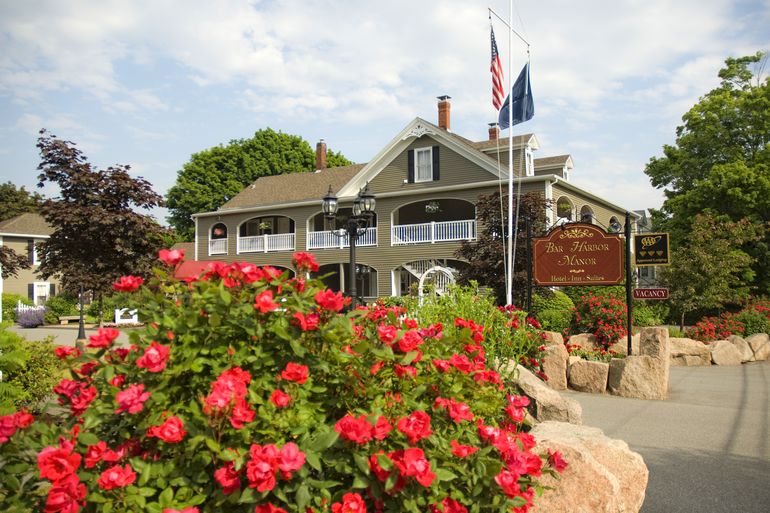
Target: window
(424,168)
(564,208)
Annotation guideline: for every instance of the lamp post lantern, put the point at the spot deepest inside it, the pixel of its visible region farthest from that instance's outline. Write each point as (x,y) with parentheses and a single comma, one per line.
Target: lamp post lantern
(355,226)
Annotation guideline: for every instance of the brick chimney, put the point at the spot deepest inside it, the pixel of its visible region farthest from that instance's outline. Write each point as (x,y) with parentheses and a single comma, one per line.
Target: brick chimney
(444,106)
(320,155)
(494,131)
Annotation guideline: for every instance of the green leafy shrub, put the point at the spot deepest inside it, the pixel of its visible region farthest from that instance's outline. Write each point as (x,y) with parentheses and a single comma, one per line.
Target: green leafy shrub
(110,304)
(510,336)
(577,292)
(603,316)
(9,305)
(554,310)
(13,360)
(675,332)
(753,321)
(58,306)
(645,316)
(597,355)
(42,372)
(248,388)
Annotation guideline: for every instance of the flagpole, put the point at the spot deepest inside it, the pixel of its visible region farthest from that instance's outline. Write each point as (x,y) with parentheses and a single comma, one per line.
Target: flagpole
(509,277)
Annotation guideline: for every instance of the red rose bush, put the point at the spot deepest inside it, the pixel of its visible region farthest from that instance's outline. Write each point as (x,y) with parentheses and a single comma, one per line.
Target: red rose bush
(250,391)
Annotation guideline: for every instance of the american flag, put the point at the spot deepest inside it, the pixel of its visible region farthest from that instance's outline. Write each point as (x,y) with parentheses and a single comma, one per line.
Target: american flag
(497,75)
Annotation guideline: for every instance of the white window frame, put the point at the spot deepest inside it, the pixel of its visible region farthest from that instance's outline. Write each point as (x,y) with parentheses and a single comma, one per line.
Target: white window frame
(40,284)
(35,259)
(417,151)
(530,163)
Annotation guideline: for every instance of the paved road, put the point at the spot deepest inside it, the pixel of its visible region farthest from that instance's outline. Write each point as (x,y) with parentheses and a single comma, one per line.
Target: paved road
(707,447)
(62,335)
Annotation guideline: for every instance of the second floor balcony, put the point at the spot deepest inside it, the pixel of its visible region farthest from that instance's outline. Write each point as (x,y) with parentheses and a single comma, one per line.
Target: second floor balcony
(431,221)
(265,234)
(323,234)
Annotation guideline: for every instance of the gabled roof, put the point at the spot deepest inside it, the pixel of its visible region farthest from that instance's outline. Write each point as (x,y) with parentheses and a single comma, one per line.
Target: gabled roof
(502,143)
(558,161)
(292,187)
(25,225)
(417,128)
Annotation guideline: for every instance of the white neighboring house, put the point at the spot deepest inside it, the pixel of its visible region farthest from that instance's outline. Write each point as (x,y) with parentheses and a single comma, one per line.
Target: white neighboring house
(22,233)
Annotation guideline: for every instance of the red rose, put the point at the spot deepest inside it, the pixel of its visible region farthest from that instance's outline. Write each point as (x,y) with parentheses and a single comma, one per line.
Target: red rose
(387,333)
(261,468)
(95,453)
(509,482)
(307,322)
(56,463)
(103,338)
(416,426)
(66,496)
(290,458)
(229,386)
(280,398)
(264,302)
(295,372)
(128,283)
(305,262)
(171,431)
(154,358)
(330,300)
(116,477)
(412,463)
(228,478)
(63,352)
(82,398)
(269,508)
(171,257)
(461,363)
(132,399)
(356,430)
(462,451)
(351,503)
(118,380)
(242,413)
(557,461)
(409,341)
(382,428)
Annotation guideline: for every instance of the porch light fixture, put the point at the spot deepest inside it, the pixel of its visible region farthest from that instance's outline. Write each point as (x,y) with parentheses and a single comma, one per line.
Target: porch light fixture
(432,207)
(355,226)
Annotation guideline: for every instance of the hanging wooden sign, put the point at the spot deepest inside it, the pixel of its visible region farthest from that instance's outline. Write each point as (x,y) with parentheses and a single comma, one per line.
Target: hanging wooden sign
(651,249)
(578,254)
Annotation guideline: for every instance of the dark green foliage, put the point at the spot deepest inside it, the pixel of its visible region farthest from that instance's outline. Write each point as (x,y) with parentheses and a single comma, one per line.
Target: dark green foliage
(42,372)
(720,163)
(575,293)
(63,304)
(9,305)
(13,360)
(754,321)
(645,316)
(99,234)
(553,309)
(15,201)
(485,256)
(11,262)
(110,304)
(211,177)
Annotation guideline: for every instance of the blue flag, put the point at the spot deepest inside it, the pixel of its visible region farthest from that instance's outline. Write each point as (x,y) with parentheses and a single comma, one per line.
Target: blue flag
(523,106)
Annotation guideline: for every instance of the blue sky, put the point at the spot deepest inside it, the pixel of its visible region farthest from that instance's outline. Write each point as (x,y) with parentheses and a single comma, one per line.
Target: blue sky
(148,83)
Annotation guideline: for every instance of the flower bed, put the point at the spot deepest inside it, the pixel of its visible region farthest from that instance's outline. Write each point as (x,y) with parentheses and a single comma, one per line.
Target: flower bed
(249,391)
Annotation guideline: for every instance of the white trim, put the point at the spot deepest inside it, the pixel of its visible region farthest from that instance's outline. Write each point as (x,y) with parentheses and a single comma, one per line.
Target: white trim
(1,284)
(549,213)
(25,235)
(35,284)
(531,142)
(35,258)
(195,250)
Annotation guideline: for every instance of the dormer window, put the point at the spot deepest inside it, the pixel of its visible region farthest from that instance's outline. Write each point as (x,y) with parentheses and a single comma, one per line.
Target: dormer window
(423,165)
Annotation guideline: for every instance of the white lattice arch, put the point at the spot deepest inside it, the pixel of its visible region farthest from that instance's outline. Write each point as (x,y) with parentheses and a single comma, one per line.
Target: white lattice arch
(445,278)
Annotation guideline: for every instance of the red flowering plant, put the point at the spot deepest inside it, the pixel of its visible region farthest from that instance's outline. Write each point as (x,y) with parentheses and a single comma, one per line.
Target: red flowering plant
(602,316)
(710,329)
(229,400)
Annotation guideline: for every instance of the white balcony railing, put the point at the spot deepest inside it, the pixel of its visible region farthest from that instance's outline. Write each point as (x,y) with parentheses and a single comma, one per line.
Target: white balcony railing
(328,240)
(218,247)
(266,243)
(433,232)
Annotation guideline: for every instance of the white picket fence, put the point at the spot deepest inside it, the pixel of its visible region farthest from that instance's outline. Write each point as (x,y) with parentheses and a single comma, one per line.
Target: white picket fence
(21,307)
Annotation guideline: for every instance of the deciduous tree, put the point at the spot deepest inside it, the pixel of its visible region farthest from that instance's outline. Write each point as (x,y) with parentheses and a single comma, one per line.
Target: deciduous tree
(98,234)
(709,269)
(211,177)
(15,201)
(720,162)
(486,257)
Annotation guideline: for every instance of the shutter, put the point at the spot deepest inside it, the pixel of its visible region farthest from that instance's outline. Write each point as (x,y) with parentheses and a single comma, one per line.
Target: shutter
(435,164)
(410,166)
(31,291)
(31,250)
(52,290)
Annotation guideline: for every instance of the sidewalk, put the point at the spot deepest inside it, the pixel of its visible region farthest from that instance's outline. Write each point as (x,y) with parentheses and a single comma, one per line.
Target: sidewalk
(707,447)
(62,335)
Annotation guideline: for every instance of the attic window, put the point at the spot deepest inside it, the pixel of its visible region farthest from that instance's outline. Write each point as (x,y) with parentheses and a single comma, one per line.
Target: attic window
(423,165)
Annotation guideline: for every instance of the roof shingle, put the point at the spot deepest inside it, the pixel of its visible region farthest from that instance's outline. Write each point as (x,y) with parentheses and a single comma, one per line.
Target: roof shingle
(26,224)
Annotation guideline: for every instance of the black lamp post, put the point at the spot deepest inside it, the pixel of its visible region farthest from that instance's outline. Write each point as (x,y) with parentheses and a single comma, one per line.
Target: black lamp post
(81,325)
(355,226)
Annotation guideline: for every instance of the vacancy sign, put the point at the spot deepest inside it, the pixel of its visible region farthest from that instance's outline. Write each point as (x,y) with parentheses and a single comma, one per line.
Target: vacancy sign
(651,293)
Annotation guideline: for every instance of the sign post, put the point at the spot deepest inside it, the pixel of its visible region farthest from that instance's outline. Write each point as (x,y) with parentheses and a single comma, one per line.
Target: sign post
(629,303)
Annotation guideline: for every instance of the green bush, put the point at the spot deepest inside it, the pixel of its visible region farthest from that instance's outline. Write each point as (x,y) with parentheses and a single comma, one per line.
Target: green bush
(60,305)
(13,360)
(553,310)
(9,305)
(645,316)
(753,321)
(575,293)
(675,333)
(42,372)
(111,303)
(602,316)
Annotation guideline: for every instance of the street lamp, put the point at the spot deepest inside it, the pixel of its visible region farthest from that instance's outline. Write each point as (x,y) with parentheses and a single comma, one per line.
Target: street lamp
(355,226)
